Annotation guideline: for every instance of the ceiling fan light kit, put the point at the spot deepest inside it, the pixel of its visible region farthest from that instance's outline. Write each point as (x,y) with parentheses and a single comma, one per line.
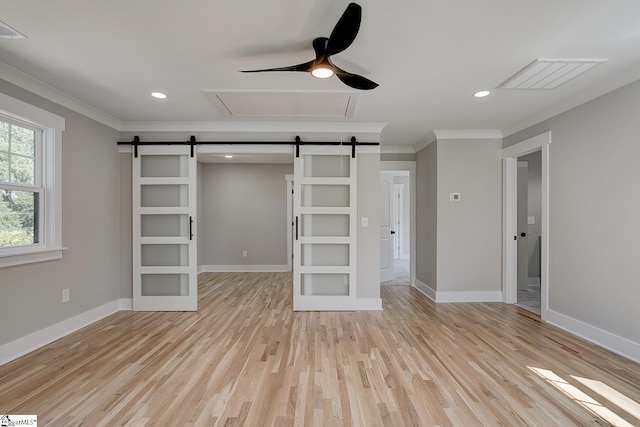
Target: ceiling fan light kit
(342,36)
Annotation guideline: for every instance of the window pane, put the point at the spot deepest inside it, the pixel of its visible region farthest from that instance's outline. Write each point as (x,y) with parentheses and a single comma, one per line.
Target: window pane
(4,136)
(18,223)
(4,167)
(22,141)
(22,170)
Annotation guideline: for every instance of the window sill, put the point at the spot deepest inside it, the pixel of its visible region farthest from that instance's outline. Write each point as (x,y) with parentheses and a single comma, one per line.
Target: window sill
(40,255)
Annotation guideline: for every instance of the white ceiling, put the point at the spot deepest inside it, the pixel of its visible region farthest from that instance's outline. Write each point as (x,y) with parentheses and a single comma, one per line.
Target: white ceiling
(429,56)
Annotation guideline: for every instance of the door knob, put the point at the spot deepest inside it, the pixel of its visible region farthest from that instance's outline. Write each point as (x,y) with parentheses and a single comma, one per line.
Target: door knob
(393,232)
(523,234)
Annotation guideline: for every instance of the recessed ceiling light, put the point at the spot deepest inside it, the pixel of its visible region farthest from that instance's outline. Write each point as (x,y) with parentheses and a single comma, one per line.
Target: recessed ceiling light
(158,95)
(481,94)
(228,156)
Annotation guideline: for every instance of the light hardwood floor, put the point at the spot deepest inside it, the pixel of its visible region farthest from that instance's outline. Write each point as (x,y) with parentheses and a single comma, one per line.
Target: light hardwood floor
(246,359)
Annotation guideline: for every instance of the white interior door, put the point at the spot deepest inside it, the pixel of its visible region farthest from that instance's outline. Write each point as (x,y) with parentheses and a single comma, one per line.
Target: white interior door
(386,227)
(397,220)
(324,256)
(164,229)
(523,203)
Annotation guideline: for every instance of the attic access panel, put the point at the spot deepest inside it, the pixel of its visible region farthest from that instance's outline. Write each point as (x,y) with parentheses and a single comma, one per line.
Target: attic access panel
(284,104)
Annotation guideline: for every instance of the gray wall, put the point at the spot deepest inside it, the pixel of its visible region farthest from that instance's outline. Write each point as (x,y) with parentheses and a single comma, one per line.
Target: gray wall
(427,215)
(593,211)
(126,226)
(469,231)
(398,157)
(91,266)
(368,253)
(243,208)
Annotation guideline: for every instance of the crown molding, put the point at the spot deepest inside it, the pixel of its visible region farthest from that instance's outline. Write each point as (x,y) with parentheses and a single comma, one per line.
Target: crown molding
(624,78)
(468,134)
(427,140)
(40,88)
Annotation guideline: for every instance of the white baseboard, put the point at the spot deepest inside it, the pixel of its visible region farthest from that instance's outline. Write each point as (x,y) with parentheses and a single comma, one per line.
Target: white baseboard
(242,268)
(615,343)
(425,289)
(482,296)
(35,340)
(478,296)
(368,304)
(339,304)
(533,281)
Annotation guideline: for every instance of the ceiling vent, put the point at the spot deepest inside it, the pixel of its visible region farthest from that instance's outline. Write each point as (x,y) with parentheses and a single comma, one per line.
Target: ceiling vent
(549,73)
(6,32)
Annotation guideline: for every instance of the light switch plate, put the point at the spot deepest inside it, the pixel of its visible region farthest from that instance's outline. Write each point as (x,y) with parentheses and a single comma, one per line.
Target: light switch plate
(365,221)
(531,220)
(454,197)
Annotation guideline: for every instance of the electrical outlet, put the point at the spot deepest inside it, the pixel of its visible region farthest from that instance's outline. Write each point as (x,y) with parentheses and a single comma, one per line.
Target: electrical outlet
(65,295)
(244,254)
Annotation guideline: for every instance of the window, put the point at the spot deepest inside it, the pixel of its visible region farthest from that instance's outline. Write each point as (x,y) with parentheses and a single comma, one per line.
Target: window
(30,178)
(20,184)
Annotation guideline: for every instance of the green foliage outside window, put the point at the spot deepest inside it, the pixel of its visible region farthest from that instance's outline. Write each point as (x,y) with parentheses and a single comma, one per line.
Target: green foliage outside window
(18,206)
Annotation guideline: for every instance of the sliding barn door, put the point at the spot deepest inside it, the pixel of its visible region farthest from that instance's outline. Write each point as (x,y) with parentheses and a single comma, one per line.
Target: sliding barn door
(164,229)
(324,256)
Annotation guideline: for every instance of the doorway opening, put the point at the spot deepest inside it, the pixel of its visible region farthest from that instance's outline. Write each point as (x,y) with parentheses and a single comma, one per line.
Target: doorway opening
(513,229)
(529,231)
(397,242)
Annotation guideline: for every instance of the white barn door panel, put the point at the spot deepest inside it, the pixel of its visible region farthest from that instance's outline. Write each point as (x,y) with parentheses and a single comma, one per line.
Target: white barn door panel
(324,258)
(164,229)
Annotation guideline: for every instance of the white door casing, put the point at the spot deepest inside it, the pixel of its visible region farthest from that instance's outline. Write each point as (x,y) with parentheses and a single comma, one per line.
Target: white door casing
(386,227)
(509,202)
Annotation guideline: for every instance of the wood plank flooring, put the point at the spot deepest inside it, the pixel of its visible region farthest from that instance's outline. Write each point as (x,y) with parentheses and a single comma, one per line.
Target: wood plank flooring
(246,359)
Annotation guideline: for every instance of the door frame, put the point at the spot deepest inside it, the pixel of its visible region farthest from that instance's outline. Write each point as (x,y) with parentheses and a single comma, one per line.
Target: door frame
(408,165)
(509,219)
(386,274)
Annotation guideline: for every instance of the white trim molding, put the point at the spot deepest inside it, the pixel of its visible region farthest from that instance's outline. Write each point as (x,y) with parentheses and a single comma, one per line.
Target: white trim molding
(425,289)
(408,165)
(509,217)
(468,134)
(21,346)
(25,81)
(615,343)
(337,304)
(458,296)
(469,296)
(242,268)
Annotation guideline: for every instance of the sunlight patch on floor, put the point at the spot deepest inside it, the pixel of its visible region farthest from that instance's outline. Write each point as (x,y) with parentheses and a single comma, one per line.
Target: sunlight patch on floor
(582,398)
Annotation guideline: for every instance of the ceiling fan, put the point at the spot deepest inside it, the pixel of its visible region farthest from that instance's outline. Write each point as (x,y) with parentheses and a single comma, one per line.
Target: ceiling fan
(340,39)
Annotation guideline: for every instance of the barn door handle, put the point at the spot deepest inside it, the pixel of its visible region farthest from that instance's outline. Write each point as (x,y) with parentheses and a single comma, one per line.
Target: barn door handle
(190,228)
(296,228)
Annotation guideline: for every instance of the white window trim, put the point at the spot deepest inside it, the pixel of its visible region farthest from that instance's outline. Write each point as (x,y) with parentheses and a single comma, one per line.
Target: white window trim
(53,126)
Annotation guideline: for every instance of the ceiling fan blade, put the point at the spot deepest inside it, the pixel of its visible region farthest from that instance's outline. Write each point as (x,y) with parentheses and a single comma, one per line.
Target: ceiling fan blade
(355,81)
(300,67)
(345,30)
